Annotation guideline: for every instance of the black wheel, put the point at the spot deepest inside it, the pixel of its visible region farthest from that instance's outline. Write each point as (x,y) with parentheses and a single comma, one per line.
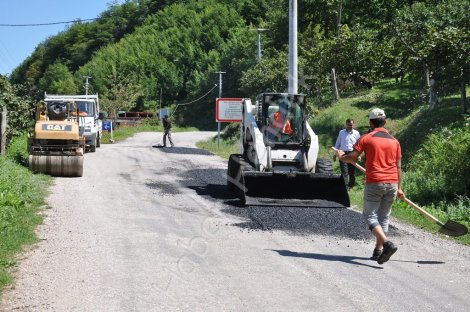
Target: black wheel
(93,146)
(324,166)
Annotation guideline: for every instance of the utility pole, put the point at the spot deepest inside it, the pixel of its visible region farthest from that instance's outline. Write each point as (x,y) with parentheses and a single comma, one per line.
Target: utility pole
(293,61)
(260,30)
(220,95)
(86,83)
(334,79)
(3,130)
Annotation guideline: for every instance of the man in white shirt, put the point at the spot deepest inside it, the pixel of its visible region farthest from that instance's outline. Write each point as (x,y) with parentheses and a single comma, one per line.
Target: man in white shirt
(346,139)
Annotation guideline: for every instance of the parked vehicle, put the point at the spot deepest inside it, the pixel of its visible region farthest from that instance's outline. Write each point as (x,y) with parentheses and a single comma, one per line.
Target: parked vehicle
(91,126)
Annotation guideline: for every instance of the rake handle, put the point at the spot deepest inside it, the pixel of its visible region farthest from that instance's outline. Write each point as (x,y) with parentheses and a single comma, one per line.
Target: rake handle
(406,200)
(422,211)
(362,169)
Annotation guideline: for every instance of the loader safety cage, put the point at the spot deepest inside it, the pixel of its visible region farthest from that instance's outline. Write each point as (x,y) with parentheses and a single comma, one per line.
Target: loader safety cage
(280,117)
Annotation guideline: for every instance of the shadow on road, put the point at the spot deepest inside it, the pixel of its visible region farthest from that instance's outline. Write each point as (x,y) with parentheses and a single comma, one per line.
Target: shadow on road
(323,257)
(182,150)
(420,261)
(216,191)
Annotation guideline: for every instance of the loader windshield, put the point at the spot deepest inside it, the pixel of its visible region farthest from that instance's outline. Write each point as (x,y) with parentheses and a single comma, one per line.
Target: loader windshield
(282,118)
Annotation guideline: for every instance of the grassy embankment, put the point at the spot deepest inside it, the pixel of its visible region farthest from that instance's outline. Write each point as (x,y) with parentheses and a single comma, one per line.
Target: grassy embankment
(410,120)
(21,196)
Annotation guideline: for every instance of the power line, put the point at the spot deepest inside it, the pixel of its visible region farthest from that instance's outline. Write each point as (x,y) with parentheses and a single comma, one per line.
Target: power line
(182,104)
(188,103)
(49,24)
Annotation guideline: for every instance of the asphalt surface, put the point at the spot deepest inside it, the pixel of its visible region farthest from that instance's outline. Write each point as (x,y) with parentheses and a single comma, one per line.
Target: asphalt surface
(155,229)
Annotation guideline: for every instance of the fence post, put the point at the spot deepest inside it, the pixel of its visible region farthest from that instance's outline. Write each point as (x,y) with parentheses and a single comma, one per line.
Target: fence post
(3,130)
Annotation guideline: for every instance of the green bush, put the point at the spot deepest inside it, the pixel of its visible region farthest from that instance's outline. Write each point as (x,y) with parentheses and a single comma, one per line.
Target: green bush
(18,149)
(440,170)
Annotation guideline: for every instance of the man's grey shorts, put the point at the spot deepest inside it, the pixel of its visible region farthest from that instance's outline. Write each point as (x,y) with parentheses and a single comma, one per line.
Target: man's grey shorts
(378,200)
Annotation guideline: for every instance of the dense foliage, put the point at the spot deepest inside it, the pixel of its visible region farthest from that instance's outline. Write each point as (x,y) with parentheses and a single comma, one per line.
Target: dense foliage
(440,170)
(177,46)
(18,104)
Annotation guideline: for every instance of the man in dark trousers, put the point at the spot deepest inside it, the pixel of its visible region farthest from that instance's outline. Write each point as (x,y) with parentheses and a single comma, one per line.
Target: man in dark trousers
(167,131)
(383,180)
(347,137)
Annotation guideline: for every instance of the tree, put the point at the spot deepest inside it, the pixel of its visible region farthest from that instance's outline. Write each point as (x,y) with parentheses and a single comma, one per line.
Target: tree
(19,107)
(58,79)
(436,37)
(121,94)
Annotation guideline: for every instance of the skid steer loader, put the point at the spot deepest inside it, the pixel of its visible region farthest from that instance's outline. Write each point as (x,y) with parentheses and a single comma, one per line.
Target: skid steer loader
(279,163)
(56,146)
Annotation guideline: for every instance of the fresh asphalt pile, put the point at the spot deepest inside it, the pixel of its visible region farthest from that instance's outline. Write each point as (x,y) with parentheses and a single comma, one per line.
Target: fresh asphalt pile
(320,219)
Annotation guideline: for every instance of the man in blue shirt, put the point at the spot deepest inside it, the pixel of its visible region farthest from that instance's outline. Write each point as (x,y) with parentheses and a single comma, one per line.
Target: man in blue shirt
(346,139)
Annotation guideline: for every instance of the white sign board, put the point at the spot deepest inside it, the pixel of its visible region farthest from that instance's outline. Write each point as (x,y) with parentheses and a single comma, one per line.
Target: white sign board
(228,110)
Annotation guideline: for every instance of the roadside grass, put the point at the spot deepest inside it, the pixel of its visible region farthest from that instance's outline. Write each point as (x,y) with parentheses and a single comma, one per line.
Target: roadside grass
(148,125)
(21,198)
(224,149)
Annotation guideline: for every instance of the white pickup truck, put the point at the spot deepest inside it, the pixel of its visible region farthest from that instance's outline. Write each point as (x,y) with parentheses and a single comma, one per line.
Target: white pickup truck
(90,123)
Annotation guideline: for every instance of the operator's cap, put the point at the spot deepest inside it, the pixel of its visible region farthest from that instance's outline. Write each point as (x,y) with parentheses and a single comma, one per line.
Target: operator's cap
(377,113)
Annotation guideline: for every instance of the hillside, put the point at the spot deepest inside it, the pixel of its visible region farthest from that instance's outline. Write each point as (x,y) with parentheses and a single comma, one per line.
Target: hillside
(141,50)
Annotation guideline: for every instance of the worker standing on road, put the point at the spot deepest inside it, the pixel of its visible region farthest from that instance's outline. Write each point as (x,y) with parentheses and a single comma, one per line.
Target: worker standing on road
(383,180)
(167,131)
(347,137)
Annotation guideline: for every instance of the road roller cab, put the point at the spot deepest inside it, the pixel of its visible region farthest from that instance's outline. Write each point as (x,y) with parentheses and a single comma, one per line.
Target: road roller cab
(56,146)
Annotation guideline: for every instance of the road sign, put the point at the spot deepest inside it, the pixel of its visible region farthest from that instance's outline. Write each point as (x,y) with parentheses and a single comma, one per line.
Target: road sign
(228,110)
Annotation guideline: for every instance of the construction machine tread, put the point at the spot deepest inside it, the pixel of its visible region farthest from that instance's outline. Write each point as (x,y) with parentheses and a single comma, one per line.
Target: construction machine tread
(324,166)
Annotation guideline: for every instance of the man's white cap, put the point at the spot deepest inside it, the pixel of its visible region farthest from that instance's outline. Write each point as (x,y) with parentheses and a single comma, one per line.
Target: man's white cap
(377,113)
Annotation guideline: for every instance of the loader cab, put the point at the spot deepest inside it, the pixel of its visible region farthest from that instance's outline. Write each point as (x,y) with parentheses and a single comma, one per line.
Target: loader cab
(281,118)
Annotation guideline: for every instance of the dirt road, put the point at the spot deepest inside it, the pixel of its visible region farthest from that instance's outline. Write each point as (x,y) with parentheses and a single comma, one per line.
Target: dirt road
(149,229)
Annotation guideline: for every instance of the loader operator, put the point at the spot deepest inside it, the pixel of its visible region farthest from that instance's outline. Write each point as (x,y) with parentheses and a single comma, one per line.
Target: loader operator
(281,123)
(383,180)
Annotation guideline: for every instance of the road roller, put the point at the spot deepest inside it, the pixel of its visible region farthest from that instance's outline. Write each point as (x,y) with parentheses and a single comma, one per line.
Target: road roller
(56,146)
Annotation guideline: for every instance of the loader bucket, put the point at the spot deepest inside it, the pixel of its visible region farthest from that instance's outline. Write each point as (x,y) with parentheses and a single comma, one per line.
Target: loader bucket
(294,189)
(59,166)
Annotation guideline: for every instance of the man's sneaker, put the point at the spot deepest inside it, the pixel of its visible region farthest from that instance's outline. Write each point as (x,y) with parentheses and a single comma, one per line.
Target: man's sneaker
(376,254)
(388,251)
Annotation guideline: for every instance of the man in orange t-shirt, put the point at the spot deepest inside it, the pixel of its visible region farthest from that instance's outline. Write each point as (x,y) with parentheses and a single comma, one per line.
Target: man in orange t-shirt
(383,180)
